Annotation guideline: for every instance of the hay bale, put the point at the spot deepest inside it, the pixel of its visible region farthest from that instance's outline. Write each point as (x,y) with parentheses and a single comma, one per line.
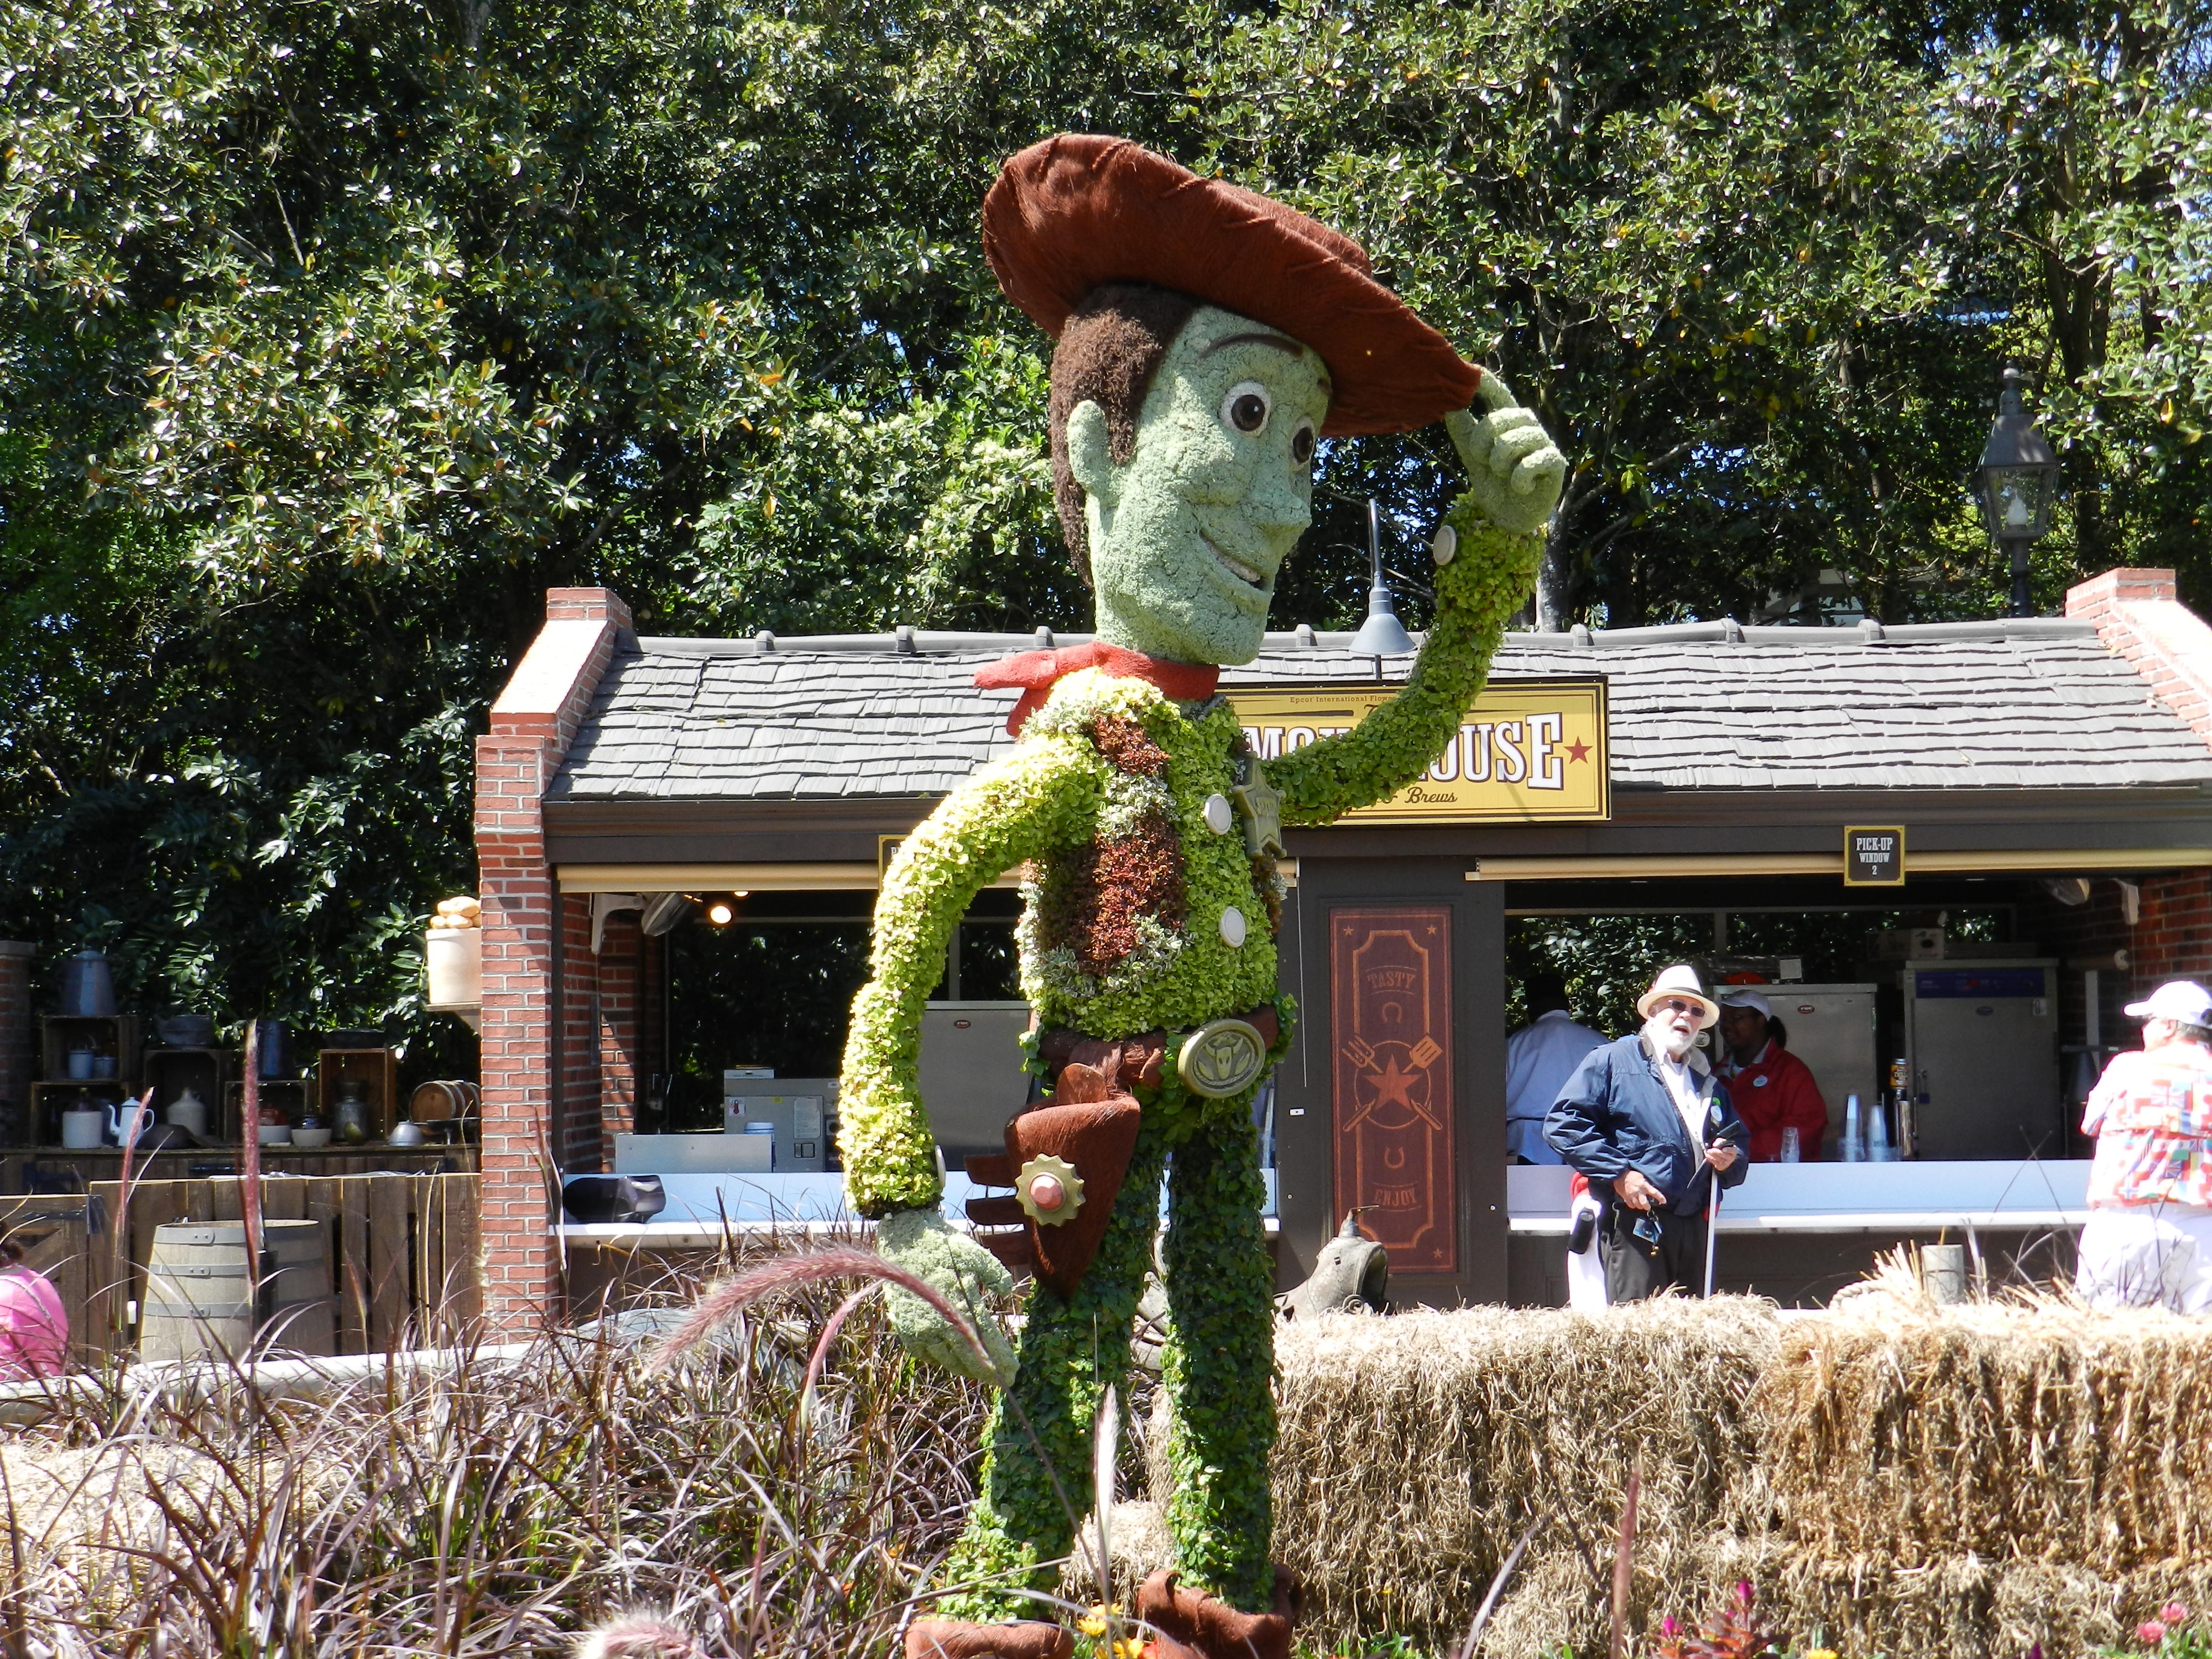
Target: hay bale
(1894,1477)
(1415,1449)
(2031,1432)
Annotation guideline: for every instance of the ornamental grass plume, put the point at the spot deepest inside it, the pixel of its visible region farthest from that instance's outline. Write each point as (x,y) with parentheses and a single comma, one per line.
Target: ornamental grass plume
(801,1269)
(495,1508)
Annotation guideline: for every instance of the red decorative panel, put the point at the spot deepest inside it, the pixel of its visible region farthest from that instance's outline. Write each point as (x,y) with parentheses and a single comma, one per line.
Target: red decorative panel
(1390,995)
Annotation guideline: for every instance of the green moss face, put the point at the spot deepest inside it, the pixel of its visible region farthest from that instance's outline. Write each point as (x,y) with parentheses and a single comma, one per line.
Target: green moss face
(1187,536)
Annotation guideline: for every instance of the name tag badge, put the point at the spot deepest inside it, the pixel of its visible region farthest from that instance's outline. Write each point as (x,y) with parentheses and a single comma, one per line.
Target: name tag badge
(1760,1081)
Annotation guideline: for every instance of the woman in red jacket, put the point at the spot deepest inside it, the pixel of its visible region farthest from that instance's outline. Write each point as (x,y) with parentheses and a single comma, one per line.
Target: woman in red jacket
(1772,1089)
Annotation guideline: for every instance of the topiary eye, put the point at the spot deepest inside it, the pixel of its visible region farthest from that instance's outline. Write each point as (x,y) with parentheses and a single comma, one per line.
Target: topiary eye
(1302,443)
(1245,406)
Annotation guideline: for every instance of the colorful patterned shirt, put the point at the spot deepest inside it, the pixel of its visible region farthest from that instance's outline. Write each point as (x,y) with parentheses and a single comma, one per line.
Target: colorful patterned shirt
(2152,1114)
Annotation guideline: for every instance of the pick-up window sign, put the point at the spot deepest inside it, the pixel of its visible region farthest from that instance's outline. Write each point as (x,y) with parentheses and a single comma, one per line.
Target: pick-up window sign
(1874,855)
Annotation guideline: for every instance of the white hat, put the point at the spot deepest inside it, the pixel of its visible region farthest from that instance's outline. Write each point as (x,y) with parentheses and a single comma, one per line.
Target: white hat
(2183,1000)
(1679,981)
(1742,996)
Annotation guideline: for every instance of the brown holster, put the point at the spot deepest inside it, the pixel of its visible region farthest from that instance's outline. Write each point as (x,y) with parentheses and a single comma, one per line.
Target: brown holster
(1090,1124)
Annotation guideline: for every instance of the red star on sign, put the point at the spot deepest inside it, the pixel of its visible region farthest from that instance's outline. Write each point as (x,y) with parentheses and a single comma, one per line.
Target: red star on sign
(1578,750)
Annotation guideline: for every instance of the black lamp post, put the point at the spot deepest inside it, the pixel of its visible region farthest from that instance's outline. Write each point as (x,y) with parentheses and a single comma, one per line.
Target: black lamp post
(2015,483)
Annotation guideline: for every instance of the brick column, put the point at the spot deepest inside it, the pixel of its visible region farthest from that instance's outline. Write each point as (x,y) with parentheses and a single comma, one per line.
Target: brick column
(18,1034)
(2174,933)
(2139,616)
(622,959)
(580,976)
(532,724)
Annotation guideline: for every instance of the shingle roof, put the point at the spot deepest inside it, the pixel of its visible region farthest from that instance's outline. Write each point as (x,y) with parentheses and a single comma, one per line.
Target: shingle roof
(2036,703)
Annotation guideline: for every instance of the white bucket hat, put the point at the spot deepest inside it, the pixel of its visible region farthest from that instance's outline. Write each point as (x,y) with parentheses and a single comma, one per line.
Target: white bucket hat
(2183,1000)
(1679,981)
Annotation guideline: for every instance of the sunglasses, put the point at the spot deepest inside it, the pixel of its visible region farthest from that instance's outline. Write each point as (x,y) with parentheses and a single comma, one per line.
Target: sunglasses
(1676,1006)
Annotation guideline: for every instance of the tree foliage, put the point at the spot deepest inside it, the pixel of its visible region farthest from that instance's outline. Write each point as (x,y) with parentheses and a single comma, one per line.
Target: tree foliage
(333,332)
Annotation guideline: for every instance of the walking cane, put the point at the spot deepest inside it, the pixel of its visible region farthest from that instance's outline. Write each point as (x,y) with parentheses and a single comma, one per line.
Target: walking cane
(1712,1197)
(1713,1216)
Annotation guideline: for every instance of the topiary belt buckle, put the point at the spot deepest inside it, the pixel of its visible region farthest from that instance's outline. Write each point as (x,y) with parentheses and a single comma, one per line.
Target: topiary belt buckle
(1221,1058)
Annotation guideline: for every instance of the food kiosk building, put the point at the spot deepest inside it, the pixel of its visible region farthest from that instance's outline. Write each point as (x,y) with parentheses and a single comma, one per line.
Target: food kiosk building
(2060,767)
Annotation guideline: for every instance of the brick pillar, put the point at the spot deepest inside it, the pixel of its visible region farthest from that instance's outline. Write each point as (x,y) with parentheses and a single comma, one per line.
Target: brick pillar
(581,974)
(2173,933)
(532,724)
(18,1034)
(2139,616)
(622,959)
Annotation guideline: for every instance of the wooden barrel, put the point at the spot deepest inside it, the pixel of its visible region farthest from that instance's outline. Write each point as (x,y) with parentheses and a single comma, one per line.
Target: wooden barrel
(199,1304)
(433,1103)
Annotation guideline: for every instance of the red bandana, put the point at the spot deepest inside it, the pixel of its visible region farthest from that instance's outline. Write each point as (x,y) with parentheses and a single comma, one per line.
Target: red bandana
(1037,671)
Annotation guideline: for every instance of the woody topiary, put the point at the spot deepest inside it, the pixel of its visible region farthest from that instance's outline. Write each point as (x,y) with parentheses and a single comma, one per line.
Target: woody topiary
(1205,338)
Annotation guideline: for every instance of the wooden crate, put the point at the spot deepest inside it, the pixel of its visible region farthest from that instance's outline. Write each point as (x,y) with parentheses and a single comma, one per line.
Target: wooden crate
(49,1100)
(377,1067)
(116,1033)
(208,1072)
(288,1095)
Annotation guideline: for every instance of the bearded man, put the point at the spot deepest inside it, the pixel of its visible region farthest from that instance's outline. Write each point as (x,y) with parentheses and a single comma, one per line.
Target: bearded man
(1205,338)
(1645,1120)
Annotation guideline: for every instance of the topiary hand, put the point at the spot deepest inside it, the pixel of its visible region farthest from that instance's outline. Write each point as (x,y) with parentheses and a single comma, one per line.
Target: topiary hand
(1515,472)
(961,1271)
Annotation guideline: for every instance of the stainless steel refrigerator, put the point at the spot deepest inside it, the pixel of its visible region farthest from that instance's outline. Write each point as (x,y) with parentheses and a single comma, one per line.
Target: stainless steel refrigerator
(1983,1041)
(1831,1030)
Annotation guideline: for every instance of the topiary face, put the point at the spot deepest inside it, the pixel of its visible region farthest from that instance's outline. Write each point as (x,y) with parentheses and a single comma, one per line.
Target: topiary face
(1186,535)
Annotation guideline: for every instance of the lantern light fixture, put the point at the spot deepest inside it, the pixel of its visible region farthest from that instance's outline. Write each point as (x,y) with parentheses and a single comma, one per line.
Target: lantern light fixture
(2015,484)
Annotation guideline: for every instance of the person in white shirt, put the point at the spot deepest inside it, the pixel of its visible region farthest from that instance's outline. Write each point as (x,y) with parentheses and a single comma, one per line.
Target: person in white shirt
(1540,1058)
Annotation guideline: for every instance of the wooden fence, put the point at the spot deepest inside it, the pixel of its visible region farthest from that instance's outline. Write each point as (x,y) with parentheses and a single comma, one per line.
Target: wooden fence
(403,1250)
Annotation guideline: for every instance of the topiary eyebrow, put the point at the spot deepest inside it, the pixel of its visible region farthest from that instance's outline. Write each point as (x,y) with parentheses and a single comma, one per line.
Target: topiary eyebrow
(1278,341)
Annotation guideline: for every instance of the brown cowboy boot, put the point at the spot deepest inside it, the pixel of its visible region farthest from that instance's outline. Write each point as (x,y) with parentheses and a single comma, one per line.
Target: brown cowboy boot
(956,1638)
(1212,1628)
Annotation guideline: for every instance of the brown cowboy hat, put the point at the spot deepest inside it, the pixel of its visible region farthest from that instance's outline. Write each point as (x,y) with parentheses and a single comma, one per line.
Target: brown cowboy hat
(1083,209)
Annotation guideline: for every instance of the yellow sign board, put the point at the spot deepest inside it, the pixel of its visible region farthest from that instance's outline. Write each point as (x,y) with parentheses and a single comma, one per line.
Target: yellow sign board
(1528,751)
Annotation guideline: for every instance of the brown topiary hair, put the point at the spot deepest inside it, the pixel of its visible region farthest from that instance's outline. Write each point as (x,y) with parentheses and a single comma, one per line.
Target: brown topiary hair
(1112,345)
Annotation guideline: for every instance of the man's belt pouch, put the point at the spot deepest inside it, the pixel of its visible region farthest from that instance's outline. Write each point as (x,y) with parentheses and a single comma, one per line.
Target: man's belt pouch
(1065,1162)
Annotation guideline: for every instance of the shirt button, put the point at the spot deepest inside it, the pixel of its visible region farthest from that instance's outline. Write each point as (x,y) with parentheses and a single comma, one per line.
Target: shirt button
(1219,815)
(1232,928)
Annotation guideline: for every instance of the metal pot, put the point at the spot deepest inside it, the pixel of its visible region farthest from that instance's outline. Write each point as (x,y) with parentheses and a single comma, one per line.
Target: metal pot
(407,1133)
(187,1030)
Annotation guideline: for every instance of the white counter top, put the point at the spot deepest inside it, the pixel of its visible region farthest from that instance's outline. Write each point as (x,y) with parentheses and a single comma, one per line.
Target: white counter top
(702,1208)
(1851,1198)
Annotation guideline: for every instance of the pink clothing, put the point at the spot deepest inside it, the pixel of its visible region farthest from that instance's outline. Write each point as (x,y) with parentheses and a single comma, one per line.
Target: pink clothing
(2152,1114)
(33,1327)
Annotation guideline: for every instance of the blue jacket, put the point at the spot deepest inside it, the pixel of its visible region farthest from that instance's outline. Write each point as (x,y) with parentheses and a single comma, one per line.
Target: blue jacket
(1615,1115)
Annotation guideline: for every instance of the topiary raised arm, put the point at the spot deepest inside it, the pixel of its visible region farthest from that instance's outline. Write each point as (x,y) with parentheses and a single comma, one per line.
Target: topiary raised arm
(1484,570)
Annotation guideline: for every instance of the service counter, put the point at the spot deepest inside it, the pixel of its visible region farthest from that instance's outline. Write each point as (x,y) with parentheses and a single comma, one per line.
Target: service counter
(1798,1232)
(703,1208)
